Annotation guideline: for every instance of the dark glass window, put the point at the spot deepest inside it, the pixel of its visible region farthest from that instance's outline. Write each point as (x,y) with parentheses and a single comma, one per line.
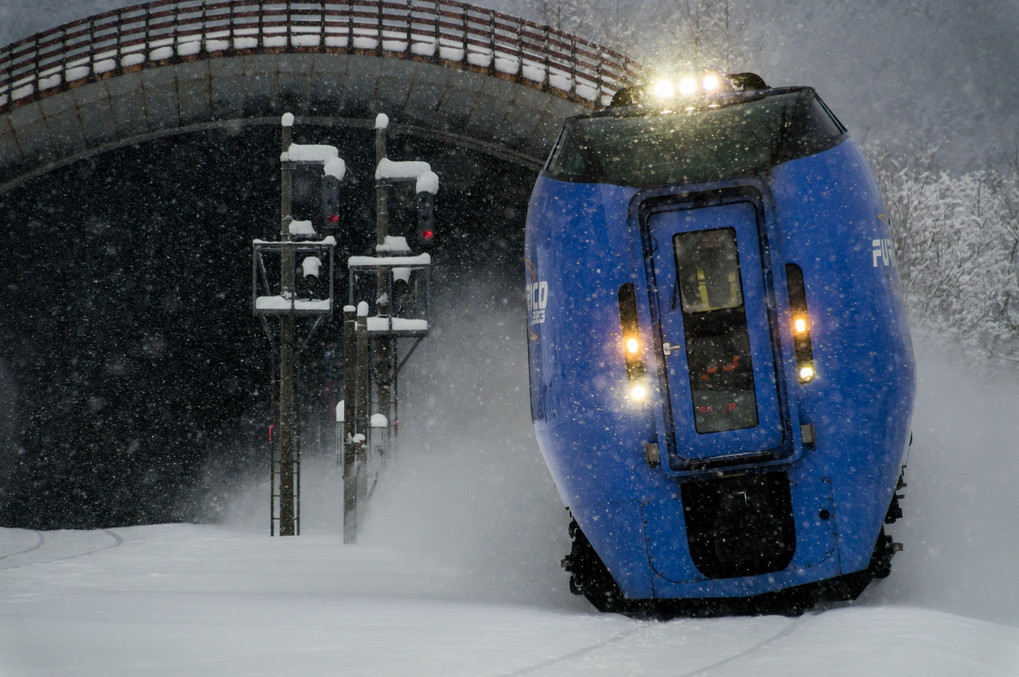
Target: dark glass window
(741,134)
(715,330)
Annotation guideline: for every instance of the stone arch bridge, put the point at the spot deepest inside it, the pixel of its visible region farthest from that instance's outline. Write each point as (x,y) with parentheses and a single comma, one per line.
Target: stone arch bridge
(471,76)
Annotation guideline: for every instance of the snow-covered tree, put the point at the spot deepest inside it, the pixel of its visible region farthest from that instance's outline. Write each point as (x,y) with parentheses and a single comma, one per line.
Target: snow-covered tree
(957,243)
(711,33)
(599,21)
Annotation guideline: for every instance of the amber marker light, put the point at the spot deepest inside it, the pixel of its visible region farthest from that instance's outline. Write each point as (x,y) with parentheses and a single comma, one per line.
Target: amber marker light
(802,342)
(637,387)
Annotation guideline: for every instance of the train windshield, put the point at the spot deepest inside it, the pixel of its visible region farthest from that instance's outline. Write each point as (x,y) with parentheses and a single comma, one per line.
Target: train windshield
(715,330)
(742,135)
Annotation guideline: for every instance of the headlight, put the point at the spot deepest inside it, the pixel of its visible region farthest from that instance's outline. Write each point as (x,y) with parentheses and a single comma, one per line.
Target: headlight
(664,89)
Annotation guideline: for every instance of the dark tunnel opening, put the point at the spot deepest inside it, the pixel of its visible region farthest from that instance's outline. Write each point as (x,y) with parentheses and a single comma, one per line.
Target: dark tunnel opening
(129,354)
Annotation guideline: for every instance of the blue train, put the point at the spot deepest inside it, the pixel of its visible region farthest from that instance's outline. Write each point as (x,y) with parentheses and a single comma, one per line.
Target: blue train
(721,372)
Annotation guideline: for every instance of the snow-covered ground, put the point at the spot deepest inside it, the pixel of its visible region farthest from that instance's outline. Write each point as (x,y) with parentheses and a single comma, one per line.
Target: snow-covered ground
(457,572)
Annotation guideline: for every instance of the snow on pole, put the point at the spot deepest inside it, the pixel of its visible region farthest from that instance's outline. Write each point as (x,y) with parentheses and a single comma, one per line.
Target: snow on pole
(402,169)
(311,266)
(428,182)
(302,228)
(381,121)
(376,261)
(310,153)
(288,120)
(394,244)
(335,167)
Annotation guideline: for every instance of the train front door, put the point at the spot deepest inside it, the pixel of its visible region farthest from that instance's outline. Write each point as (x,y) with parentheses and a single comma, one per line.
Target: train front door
(722,400)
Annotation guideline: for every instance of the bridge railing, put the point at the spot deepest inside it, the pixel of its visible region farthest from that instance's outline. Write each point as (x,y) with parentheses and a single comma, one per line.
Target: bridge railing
(450,33)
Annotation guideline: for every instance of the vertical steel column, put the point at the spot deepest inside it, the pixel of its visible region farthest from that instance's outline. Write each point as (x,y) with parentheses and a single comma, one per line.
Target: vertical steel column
(382,287)
(350,390)
(363,398)
(287,492)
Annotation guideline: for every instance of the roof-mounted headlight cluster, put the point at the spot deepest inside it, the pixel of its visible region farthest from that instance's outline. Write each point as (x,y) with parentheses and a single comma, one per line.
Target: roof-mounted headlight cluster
(686,89)
(689,86)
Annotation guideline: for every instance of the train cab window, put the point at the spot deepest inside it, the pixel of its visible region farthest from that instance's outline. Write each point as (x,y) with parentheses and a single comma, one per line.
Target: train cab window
(709,266)
(740,134)
(719,361)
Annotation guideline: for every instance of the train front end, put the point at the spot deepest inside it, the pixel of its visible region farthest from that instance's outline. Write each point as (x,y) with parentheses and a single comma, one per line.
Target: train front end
(721,372)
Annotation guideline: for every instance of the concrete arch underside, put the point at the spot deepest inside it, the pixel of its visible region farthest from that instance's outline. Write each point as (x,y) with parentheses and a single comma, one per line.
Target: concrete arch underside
(510,120)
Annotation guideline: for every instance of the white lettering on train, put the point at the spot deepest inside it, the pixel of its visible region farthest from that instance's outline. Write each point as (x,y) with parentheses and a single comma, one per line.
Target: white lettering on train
(884,251)
(537,301)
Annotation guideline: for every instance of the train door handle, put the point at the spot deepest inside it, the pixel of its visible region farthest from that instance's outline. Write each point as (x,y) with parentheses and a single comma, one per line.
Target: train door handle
(667,348)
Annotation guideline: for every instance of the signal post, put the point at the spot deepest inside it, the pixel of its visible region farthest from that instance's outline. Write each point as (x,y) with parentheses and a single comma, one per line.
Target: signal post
(367,417)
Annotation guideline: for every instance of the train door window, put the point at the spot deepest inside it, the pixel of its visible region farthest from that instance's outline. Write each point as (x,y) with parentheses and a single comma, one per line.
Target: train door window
(708,287)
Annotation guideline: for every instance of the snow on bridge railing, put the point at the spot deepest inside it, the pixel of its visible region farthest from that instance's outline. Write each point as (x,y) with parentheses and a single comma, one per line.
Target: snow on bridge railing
(445,32)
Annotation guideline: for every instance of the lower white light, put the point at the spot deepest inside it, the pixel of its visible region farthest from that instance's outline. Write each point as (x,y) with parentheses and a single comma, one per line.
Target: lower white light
(806,373)
(638,393)
(687,86)
(710,83)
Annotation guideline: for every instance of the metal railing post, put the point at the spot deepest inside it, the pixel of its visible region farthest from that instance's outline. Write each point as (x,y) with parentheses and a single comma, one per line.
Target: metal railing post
(322,27)
(547,82)
(463,35)
(260,38)
(573,66)
(436,13)
(491,41)
(409,20)
(148,33)
(520,48)
(9,74)
(203,40)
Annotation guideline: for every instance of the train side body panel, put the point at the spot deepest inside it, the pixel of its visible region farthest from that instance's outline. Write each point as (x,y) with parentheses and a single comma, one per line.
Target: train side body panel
(588,433)
(834,226)
(585,241)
